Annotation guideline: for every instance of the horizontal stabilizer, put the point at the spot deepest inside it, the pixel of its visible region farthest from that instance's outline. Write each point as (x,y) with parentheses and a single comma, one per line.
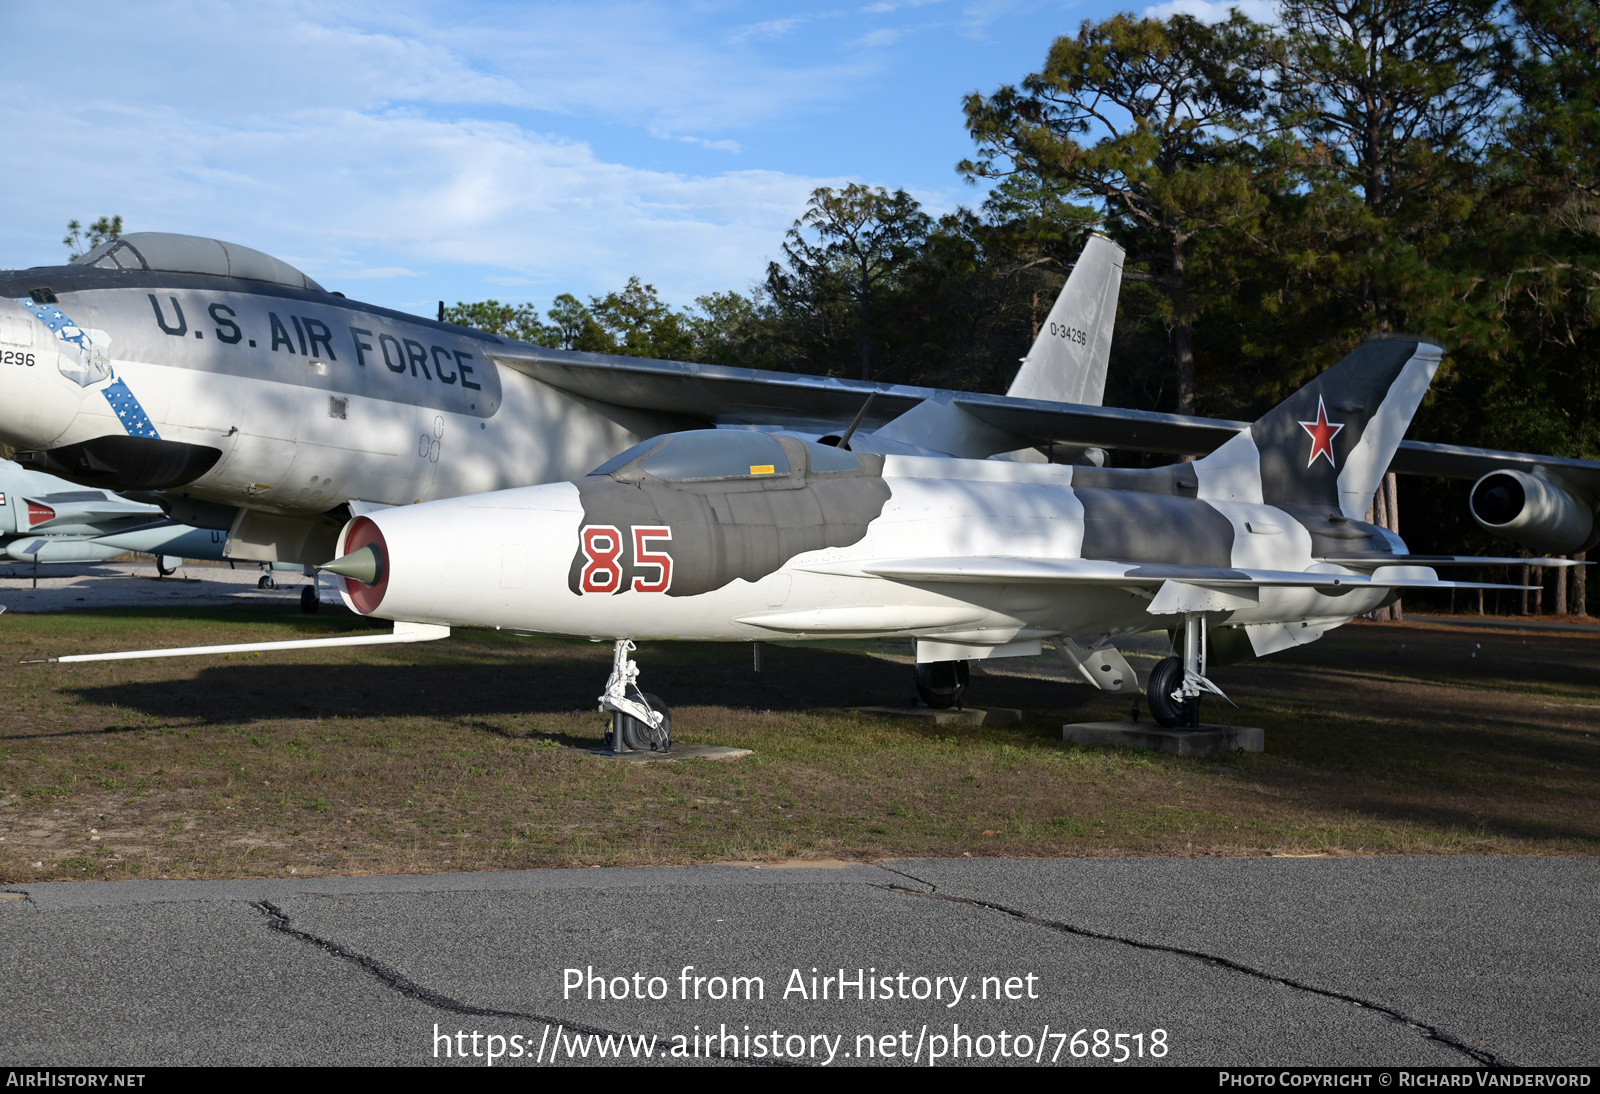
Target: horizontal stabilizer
(992,570)
(1450,560)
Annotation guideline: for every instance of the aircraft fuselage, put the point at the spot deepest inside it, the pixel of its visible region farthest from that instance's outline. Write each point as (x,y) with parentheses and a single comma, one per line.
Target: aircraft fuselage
(794,552)
(288,401)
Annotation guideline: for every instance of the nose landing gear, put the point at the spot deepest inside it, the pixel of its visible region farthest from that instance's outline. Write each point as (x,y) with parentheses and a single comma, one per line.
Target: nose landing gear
(639,721)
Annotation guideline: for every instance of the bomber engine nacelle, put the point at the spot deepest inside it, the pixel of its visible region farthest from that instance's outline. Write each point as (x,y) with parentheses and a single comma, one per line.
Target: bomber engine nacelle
(1532,511)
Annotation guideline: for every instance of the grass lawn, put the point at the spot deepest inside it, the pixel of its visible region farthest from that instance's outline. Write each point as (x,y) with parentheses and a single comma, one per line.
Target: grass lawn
(466,754)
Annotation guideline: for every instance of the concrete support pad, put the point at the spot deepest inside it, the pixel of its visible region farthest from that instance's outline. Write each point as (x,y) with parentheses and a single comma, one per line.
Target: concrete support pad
(1208,740)
(968,716)
(677,752)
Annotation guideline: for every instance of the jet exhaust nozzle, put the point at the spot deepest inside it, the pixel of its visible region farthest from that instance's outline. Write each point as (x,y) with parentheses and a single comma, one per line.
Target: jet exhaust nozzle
(364,565)
(1532,511)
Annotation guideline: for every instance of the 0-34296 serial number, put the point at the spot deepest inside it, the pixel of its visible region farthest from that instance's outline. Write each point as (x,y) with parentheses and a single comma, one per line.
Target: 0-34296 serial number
(16,357)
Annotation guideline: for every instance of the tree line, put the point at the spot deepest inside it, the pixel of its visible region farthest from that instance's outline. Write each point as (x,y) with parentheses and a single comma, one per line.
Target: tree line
(1427,166)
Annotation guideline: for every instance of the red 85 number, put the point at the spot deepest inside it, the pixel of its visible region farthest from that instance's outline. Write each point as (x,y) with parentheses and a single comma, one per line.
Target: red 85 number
(602,548)
(602,545)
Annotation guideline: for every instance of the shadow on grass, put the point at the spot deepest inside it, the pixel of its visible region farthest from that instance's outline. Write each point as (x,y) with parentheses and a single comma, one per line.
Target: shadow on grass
(1410,728)
(543,678)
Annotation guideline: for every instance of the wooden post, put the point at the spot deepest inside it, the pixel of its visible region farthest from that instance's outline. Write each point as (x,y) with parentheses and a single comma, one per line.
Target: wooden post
(1380,517)
(1391,489)
(1524,585)
(1580,586)
(1560,605)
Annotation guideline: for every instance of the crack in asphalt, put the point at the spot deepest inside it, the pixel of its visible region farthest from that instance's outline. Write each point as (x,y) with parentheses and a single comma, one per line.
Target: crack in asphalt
(393,978)
(1432,1033)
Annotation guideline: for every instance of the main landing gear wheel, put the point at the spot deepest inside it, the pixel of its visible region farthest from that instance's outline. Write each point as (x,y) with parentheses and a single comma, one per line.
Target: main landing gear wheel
(638,736)
(941,684)
(308,600)
(163,570)
(1166,678)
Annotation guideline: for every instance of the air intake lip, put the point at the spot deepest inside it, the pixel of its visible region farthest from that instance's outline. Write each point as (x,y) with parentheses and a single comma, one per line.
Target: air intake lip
(365,533)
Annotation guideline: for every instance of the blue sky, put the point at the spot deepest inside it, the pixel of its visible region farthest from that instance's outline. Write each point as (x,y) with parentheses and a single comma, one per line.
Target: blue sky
(405,152)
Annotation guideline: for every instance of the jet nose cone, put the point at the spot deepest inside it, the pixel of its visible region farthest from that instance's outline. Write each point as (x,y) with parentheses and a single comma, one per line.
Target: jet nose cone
(365,565)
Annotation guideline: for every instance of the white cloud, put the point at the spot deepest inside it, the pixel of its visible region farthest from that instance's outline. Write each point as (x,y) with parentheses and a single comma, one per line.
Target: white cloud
(771,28)
(350,195)
(883,36)
(422,146)
(397,142)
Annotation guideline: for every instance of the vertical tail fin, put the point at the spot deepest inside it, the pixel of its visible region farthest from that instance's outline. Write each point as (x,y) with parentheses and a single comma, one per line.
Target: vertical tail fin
(1067,363)
(1329,443)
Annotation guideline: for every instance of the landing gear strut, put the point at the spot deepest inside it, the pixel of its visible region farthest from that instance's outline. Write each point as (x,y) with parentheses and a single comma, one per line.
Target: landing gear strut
(639,721)
(1176,685)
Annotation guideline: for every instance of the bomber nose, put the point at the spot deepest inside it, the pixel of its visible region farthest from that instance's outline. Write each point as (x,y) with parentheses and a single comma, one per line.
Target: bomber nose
(38,403)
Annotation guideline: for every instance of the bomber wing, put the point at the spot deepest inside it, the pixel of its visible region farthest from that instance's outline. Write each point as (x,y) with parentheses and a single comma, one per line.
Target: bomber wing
(722,395)
(714,394)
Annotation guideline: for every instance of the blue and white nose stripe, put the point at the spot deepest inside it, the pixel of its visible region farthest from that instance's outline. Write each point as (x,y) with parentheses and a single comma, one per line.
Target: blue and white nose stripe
(129,412)
(124,404)
(62,324)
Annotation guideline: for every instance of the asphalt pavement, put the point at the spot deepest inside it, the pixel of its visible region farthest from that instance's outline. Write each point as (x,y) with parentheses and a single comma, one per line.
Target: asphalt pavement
(1394,961)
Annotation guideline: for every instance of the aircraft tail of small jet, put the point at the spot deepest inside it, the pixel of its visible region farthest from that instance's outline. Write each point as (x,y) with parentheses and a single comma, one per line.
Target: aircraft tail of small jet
(1068,361)
(1329,443)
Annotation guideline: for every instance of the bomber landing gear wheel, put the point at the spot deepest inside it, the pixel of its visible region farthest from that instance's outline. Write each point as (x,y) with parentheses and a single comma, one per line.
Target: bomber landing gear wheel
(266,582)
(162,570)
(1166,678)
(941,684)
(640,737)
(308,600)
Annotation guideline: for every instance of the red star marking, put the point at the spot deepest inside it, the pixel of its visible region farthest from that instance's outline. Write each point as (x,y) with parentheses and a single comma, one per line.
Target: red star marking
(1322,434)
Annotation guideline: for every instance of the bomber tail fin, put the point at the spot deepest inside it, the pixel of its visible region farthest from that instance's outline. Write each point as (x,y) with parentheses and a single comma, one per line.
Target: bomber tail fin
(1068,361)
(1329,443)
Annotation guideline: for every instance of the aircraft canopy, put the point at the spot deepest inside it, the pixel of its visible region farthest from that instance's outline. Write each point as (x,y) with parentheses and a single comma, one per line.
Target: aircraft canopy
(173,253)
(700,454)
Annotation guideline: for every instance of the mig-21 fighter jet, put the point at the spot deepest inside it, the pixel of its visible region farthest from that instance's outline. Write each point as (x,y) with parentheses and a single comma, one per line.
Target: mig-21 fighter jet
(724,535)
